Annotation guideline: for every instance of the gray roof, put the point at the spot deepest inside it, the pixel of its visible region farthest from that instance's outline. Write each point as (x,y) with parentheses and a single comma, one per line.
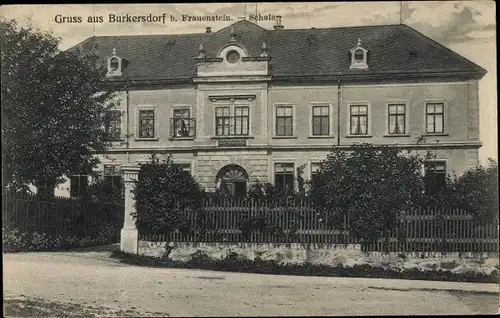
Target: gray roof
(393,49)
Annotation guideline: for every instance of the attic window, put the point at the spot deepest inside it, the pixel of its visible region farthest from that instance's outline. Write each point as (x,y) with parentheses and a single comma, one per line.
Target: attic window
(233,57)
(232,54)
(114,64)
(359,57)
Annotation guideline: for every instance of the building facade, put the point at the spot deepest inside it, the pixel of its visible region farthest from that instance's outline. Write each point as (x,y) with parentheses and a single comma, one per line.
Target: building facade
(246,103)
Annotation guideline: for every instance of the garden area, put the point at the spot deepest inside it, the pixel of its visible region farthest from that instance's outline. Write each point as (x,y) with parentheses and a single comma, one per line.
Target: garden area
(375,196)
(368,213)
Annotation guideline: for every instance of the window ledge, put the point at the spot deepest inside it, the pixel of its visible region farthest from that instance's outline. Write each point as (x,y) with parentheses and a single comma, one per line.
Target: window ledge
(320,136)
(232,137)
(435,134)
(182,138)
(397,135)
(358,136)
(147,139)
(117,140)
(284,137)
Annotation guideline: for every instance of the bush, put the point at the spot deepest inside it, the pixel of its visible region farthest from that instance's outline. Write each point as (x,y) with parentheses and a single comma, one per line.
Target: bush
(477,191)
(162,193)
(14,240)
(372,186)
(17,241)
(106,190)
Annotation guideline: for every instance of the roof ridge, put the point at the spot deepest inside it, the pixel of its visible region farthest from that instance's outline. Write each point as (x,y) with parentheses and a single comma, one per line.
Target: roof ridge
(339,27)
(158,35)
(241,22)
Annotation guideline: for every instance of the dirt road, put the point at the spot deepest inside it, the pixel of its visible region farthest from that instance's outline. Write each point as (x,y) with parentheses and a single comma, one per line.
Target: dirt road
(101,286)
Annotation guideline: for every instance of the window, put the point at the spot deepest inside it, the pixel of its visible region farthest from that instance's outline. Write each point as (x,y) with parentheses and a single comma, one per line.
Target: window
(241,120)
(283,176)
(146,123)
(222,121)
(435,176)
(314,170)
(359,56)
(182,125)
(284,121)
(359,119)
(321,120)
(233,57)
(227,125)
(112,124)
(435,117)
(397,119)
(78,185)
(114,64)
(185,167)
(112,179)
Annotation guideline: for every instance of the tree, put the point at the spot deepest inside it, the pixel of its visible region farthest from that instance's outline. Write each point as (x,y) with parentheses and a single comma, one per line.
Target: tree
(371,186)
(103,189)
(162,193)
(53,105)
(477,192)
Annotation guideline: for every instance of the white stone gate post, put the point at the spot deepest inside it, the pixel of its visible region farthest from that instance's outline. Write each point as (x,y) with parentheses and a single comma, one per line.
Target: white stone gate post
(129,234)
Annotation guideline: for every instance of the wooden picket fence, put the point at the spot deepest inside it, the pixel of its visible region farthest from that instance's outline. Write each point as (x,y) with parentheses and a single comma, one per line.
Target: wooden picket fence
(59,216)
(439,229)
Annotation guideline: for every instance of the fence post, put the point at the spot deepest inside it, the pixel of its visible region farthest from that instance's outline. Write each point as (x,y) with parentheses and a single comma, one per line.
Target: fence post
(129,233)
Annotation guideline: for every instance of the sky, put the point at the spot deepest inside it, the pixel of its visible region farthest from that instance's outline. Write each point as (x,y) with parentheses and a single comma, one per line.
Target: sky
(467,27)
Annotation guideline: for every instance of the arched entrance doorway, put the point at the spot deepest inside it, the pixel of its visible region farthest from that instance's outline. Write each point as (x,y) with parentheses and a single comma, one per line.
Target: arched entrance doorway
(233,179)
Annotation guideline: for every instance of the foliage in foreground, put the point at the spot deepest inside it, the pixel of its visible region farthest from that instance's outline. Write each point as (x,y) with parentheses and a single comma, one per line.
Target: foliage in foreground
(18,241)
(233,263)
(53,109)
(162,193)
(105,190)
(477,192)
(372,186)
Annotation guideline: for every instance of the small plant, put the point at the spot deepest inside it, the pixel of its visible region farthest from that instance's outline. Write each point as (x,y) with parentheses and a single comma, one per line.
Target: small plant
(14,241)
(199,257)
(449,265)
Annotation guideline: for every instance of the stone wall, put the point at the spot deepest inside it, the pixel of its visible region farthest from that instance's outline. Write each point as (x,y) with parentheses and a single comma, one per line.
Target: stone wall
(287,253)
(325,254)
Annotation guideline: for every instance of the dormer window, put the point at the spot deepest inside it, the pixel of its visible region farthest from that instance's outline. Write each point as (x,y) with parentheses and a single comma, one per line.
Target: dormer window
(114,64)
(359,57)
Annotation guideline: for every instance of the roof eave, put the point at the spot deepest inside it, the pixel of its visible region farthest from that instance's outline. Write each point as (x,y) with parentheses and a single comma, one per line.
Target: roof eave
(476,75)
(456,75)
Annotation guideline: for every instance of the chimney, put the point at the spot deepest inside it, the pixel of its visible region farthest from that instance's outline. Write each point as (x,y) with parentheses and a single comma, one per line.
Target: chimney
(278,25)
(209,30)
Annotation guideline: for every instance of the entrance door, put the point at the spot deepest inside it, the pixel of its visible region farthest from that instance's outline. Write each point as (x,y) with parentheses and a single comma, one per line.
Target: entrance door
(234,179)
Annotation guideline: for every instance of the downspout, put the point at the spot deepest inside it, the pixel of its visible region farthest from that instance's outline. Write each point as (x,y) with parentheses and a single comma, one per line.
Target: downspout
(467,111)
(338,112)
(127,136)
